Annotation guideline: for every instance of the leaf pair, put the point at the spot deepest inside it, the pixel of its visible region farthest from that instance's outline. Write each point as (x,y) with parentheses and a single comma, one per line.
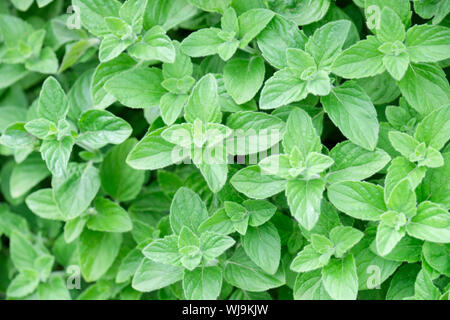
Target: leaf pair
(235,32)
(393,49)
(189,248)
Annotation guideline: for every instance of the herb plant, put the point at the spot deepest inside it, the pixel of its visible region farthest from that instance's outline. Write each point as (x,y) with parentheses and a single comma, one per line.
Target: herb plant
(224,149)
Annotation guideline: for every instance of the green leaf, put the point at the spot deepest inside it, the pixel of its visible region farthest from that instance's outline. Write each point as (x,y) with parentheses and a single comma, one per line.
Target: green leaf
(340,279)
(132,12)
(227,49)
(109,217)
(155,45)
(396,65)
(118,27)
(304,198)
(97,252)
(23,253)
(360,60)
(212,245)
(425,87)
(309,286)
(391,26)
(387,237)
(244,78)
(41,128)
(80,95)
(178,86)
(360,200)
(426,43)
(424,288)
(251,23)
(54,289)
(187,210)
(99,128)
(92,14)
(428,9)
(434,129)
(238,216)
(381,88)
(137,88)
(74,52)
(263,247)
(278,36)
(321,244)
(73,228)
(44,205)
(163,250)
(111,47)
(317,163)
(171,106)
(309,259)
(327,41)
(403,143)
(219,222)
(46,62)
(202,283)
(180,67)
(407,249)
(22,5)
(344,238)
(215,174)
(13,29)
(211,6)
(153,152)
(26,175)
(229,21)
(279,166)
(118,179)
(255,184)
(303,12)
(53,103)
(23,284)
(104,72)
(128,266)
(203,103)
(187,238)
(260,211)
(433,159)
(353,163)
(432,223)
(399,170)
(169,14)
(151,276)
(372,269)
(241,272)
(283,88)
(436,255)
(402,283)
(402,199)
(301,133)
(204,42)
(16,137)
(352,111)
(11,73)
(250,126)
(56,154)
(435,186)
(10,115)
(74,191)
(299,61)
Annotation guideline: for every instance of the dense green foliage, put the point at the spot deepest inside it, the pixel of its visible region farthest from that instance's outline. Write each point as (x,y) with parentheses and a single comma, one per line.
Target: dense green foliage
(224,149)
